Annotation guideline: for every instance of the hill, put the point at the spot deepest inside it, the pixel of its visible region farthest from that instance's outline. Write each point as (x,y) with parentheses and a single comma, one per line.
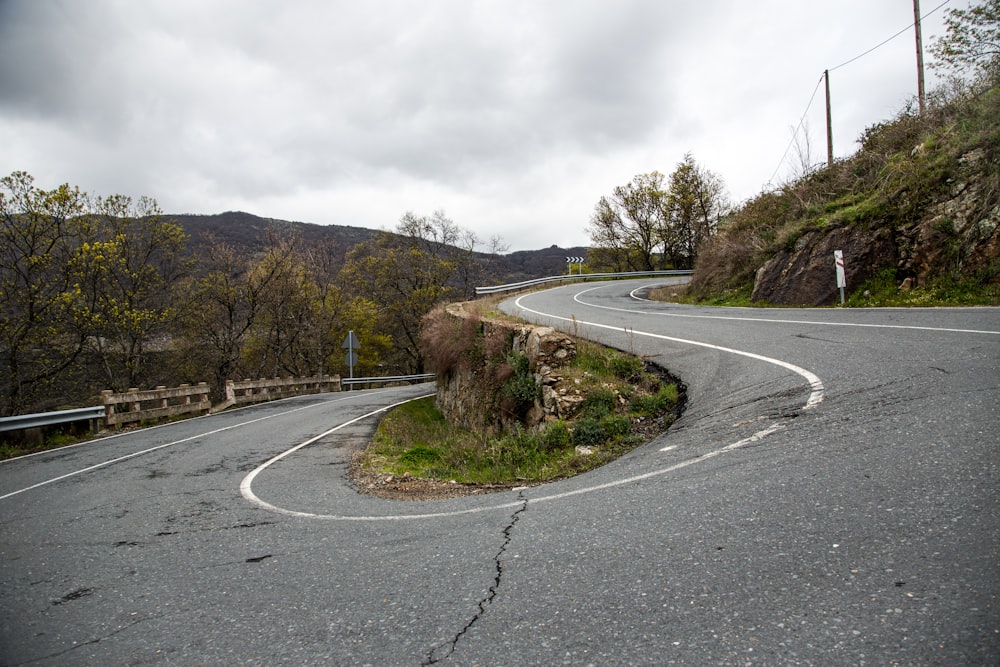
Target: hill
(247,233)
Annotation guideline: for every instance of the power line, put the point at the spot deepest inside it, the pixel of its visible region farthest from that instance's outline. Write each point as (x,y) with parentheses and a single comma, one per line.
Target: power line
(883,43)
(795,134)
(843,64)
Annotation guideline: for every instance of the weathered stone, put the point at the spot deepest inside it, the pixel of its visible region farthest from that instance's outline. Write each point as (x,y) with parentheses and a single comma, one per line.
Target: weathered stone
(807,275)
(460,392)
(546,346)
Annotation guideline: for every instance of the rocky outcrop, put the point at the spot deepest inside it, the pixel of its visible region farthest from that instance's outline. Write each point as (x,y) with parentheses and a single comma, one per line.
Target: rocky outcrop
(806,274)
(953,237)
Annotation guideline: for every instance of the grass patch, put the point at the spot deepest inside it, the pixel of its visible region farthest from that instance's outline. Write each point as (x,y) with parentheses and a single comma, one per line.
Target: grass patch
(883,291)
(10,448)
(624,405)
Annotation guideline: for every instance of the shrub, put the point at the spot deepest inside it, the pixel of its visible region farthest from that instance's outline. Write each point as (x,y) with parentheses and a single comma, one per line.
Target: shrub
(616,426)
(624,367)
(599,403)
(519,389)
(588,432)
(419,456)
(554,437)
(655,404)
(446,341)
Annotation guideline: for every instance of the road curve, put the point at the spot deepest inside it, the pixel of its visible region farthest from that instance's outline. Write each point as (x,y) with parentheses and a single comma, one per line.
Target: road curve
(829,497)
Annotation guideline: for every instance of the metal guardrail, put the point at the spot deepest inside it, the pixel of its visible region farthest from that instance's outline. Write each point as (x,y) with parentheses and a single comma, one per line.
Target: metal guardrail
(35,420)
(497,289)
(424,377)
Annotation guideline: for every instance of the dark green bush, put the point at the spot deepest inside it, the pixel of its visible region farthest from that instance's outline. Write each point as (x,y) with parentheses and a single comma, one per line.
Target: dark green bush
(588,432)
(625,367)
(599,403)
(554,437)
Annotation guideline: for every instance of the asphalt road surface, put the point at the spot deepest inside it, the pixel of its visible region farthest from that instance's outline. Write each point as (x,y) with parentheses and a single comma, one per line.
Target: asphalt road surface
(828,498)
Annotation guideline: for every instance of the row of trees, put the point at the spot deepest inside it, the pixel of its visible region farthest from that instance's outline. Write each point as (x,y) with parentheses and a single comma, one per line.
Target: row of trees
(102,293)
(647,225)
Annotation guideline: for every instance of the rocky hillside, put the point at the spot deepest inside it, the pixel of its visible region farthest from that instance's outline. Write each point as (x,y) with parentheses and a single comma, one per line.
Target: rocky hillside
(918,204)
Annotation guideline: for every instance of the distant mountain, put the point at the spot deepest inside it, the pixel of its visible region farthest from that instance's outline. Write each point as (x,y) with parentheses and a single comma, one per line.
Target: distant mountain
(247,233)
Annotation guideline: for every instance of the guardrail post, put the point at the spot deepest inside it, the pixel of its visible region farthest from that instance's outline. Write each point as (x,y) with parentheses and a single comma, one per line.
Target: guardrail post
(109,407)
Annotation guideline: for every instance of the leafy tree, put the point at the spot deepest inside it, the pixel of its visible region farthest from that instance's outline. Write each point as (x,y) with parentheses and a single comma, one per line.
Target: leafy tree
(409,272)
(695,204)
(644,226)
(221,315)
(38,236)
(626,227)
(334,313)
(971,43)
(123,271)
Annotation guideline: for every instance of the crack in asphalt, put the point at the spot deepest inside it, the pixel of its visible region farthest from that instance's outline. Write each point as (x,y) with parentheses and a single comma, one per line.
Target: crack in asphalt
(491,593)
(96,640)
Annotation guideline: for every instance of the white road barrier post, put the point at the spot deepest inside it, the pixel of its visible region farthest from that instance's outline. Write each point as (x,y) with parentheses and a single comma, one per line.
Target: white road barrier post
(838,258)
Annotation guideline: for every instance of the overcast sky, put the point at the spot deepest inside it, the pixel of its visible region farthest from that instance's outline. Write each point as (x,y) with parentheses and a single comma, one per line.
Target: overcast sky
(513,116)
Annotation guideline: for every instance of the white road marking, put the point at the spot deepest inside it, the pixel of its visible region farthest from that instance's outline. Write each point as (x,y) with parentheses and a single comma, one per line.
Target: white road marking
(119,459)
(815,397)
(249,495)
(633,295)
(246,485)
(815,384)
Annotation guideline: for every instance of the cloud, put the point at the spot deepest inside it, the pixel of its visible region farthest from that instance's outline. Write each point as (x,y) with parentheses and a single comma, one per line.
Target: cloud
(515,117)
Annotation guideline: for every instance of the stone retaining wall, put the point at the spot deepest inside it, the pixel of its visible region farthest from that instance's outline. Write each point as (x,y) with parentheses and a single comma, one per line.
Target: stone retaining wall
(464,390)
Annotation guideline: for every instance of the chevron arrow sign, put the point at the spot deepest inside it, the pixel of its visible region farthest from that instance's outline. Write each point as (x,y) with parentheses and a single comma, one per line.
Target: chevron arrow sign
(574,260)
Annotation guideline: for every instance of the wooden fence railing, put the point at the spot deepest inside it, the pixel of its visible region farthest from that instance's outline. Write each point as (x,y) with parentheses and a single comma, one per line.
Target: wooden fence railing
(135,405)
(254,391)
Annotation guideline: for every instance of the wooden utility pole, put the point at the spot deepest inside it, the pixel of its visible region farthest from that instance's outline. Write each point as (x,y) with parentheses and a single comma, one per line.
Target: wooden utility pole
(829,122)
(920,55)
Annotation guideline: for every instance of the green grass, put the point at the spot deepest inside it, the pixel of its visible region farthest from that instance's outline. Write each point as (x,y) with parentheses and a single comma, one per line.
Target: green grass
(416,440)
(54,440)
(883,291)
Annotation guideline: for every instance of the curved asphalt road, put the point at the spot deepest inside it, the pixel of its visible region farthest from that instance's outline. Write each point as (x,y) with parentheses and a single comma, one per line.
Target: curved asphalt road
(829,497)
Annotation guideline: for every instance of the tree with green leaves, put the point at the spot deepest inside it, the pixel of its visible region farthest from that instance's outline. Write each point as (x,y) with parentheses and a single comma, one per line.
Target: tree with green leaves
(696,202)
(406,273)
(123,272)
(645,226)
(626,228)
(970,47)
(39,235)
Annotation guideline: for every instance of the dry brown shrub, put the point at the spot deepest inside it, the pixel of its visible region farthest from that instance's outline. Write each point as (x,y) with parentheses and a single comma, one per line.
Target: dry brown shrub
(446,340)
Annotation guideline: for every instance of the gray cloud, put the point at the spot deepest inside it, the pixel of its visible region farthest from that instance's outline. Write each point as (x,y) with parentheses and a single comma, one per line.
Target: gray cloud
(514,116)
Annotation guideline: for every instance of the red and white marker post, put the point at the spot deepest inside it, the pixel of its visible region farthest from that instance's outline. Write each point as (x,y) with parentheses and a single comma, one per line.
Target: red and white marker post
(838,258)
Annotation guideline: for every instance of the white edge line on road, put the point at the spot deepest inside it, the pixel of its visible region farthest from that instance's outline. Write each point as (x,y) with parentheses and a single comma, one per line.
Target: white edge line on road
(815,397)
(633,295)
(119,459)
(815,384)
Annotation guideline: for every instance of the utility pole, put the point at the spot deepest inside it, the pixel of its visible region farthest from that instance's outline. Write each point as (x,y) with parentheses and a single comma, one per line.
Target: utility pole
(829,122)
(920,55)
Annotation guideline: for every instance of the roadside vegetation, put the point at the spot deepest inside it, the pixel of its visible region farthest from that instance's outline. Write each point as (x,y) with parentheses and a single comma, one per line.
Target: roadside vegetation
(625,403)
(927,182)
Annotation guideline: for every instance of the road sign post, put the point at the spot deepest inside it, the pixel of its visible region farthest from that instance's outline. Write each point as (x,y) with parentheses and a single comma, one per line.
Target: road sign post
(351,344)
(838,258)
(575,260)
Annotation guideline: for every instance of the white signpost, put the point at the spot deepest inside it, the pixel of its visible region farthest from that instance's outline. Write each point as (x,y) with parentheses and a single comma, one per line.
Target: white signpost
(838,258)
